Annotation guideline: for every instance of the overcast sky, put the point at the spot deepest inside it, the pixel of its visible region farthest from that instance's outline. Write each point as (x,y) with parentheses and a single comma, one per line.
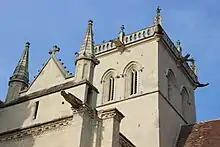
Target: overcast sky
(47,22)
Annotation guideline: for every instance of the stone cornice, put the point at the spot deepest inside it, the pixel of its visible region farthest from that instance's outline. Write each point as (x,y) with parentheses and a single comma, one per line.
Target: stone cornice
(111,113)
(48,91)
(36,130)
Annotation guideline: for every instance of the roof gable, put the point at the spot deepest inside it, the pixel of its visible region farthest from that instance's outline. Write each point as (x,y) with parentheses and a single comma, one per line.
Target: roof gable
(51,74)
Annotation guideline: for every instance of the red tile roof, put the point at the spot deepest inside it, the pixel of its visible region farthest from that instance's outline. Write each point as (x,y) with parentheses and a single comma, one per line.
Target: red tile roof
(203,134)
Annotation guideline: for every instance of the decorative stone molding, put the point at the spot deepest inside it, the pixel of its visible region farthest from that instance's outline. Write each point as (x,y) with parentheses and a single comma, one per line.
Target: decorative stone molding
(155,31)
(36,130)
(111,113)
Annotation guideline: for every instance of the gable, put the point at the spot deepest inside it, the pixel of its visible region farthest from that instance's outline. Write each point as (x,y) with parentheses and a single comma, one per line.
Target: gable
(50,75)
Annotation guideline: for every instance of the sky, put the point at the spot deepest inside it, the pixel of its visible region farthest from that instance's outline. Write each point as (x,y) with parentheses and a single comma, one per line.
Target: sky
(45,23)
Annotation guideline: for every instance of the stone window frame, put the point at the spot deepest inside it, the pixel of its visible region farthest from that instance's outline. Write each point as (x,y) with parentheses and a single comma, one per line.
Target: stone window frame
(109,87)
(185,102)
(171,84)
(127,72)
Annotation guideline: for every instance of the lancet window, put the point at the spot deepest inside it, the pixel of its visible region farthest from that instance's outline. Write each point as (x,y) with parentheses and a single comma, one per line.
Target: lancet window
(131,73)
(109,82)
(171,84)
(185,101)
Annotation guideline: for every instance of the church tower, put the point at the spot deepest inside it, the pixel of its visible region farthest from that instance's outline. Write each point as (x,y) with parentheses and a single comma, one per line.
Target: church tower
(146,77)
(85,58)
(20,78)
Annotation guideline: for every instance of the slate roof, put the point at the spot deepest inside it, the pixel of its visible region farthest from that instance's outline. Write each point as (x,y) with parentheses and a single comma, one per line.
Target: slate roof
(203,134)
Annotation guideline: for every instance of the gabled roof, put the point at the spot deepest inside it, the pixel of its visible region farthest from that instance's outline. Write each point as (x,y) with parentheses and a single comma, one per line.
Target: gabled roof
(203,134)
(60,66)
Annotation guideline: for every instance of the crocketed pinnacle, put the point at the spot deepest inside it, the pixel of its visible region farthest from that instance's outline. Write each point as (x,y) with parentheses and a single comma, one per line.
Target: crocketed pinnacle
(87,46)
(158,18)
(21,70)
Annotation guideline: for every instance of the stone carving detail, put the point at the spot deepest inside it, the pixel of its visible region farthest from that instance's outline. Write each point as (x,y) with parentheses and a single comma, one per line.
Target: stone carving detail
(36,130)
(73,100)
(112,113)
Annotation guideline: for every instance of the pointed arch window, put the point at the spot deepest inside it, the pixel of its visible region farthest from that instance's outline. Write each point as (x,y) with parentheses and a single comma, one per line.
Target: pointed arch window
(132,73)
(171,80)
(108,81)
(133,81)
(185,102)
(111,88)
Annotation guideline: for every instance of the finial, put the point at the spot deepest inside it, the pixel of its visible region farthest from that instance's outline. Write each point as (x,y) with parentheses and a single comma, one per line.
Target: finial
(122,33)
(122,28)
(27,44)
(54,50)
(90,22)
(158,11)
(193,65)
(179,48)
(158,18)
(178,43)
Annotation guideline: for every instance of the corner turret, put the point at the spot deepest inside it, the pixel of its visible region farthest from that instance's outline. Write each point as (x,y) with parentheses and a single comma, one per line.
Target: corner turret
(20,78)
(85,58)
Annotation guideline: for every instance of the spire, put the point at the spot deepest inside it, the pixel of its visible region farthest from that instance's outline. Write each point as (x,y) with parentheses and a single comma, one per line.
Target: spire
(158,18)
(20,78)
(85,59)
(22,66)
(87,46)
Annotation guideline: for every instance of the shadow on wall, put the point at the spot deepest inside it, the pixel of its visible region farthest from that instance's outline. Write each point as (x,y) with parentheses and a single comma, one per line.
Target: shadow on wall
(14,122)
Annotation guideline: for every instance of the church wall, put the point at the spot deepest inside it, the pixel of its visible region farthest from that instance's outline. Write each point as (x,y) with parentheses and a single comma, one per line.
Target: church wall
(145,54)
(59,137)
(169,128)
(167,62)
(141,122)
(170,123)
(50,107)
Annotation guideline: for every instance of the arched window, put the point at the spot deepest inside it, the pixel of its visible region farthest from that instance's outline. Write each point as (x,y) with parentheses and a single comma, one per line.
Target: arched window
(133,81)
(131,73)
(171,80)
(111,88)
(108,81)
(185,102)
